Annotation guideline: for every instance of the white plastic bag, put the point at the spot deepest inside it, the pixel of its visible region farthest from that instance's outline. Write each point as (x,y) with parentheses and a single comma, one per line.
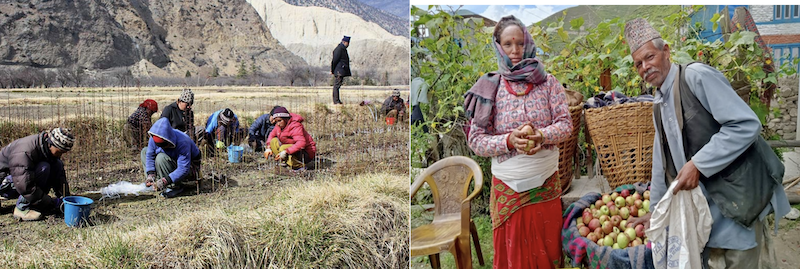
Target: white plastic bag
(679,229)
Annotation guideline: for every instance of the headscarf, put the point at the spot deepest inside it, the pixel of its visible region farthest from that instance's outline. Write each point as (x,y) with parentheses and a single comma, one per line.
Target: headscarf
(150,104)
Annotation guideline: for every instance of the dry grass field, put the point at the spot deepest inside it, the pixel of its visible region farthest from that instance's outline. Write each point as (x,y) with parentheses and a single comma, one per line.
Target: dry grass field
(349,212)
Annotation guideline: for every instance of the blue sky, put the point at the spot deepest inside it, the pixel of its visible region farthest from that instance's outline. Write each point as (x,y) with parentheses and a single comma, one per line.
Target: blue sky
(527,13)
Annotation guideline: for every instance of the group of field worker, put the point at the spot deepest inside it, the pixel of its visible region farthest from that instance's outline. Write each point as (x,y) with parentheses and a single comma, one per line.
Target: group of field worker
(31,166)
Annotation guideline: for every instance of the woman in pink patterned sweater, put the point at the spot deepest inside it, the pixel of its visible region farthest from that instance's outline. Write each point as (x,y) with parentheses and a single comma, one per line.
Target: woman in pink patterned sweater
(508,108)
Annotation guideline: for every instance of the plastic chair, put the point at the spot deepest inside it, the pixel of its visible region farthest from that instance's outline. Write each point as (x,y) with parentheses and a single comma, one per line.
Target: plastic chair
(449,180)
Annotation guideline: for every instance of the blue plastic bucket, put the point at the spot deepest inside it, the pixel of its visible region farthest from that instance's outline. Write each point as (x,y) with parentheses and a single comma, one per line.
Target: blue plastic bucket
(76,210)
(235,153)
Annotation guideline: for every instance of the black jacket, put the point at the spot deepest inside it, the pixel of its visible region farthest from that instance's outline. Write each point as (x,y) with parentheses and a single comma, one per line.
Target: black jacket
(19,159)
(175,116)
(340,64)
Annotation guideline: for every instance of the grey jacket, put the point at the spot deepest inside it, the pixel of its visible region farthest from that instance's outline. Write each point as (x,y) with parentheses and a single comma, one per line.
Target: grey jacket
(19,159)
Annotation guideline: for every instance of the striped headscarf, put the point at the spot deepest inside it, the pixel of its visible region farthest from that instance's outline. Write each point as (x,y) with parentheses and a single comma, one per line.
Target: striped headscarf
(530,69)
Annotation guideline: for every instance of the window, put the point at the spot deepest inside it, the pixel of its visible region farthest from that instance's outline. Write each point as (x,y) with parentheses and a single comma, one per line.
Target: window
(778,12)
(786,11)
(785,53)
(795,8)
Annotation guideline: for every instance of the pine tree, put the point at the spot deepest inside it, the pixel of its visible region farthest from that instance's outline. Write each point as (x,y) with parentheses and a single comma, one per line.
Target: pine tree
(188,74)
(242,71)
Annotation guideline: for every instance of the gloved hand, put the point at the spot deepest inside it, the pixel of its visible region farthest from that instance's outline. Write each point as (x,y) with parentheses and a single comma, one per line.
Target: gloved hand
(151,178)
(267,154)
(161,184)
(220,144)
(283,155)
(58,201)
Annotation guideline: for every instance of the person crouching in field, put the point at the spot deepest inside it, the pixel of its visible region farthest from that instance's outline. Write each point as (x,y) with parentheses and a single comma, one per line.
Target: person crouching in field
(181,115)
(222,129)
(258,132)
(394,107)
(139,122)
(30,167)
(289,142)
(170,158)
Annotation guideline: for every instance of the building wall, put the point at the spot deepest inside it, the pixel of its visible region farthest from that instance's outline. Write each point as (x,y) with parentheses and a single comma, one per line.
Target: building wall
(786,102)
(763,16)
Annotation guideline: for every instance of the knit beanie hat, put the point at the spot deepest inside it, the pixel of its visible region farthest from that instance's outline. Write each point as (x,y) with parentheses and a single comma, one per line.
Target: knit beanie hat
(226,116)
(150,104)
(187,96)
(62,138)
(281,112)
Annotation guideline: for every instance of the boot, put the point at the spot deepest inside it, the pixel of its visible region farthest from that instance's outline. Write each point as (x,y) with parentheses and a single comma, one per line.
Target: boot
(27,215)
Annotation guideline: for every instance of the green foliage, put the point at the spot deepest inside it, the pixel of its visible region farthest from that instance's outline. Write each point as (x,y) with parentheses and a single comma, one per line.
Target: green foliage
(215,72)
(242,73)
(188,74)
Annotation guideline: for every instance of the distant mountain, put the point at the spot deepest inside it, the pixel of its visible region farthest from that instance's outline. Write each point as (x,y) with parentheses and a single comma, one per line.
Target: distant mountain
(392,23)
(593,15)
(400,8)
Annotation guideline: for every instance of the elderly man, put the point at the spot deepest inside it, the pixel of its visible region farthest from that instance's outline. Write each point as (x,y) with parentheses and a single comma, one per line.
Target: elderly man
(32,166)
(394,106)
(170,158)
(707,136)
(340,67)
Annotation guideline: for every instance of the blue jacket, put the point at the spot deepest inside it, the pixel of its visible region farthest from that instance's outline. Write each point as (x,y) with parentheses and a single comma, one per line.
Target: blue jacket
(261,127)
(184,152)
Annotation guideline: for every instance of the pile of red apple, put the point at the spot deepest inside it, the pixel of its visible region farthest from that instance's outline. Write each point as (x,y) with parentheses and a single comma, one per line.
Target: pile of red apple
(606,221)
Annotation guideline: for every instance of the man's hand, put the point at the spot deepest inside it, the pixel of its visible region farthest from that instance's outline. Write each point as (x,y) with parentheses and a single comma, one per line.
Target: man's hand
(641,220)
(688,178)
(151,178)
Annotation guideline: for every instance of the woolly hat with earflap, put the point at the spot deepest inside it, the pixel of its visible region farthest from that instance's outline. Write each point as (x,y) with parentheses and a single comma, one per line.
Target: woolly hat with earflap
(226,116)
(62,138)
(150,104)
(187,96)
(396,92)
(281,112)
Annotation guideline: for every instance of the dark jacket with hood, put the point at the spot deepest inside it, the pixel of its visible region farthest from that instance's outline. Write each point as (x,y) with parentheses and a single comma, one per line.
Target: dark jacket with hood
(175,116)
(183,151)
(340,64)
(261,127)
(19,159)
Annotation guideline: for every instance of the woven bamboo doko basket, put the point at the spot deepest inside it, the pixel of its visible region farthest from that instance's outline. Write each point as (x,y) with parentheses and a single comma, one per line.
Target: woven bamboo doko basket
(623,137)
(567,149)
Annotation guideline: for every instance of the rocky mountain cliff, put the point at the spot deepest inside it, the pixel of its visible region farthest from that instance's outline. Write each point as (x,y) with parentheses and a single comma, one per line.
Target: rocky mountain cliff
(313,32)
(154,38)
(397,25)
(401,9)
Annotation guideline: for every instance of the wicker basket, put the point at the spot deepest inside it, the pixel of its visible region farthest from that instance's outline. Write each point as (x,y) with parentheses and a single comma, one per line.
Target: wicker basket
(623,138)
(567,148)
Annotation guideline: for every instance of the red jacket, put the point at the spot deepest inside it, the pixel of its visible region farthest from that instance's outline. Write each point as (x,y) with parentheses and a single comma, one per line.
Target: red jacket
(294,133)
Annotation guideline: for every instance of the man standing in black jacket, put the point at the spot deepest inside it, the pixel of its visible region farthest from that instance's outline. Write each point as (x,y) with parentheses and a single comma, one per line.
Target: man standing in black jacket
(340,67)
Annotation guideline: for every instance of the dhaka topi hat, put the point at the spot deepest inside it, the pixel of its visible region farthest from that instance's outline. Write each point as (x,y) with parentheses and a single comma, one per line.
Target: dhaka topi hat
(226,116)
(346,39)
(187,96)
(281,112)
(638,32)
(150,104)
(62,138)
(396,92)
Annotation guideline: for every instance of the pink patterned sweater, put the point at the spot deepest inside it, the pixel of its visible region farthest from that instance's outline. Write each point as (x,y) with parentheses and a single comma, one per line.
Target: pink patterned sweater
(545,106)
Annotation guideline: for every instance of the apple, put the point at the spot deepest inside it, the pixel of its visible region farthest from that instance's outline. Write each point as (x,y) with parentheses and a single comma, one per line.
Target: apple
(646,195)
(623,240)
(636,242)
(615,246)
(598,203)
(579,224)
(630,232)
(584,231)
(608,241)
(587,210)
(599,232)
(615,220)
(630,224)
(604,210)
(587,217)
(600,241)
(596,213)
(613,210)
(642,212)
(629,200)
(610,203)
(620,202)
(634,211)
(606,227)
(606,198)
(591,206)
(624,212)
(614,196)
(639,230)
(637,203)
(623,223)
(594,224)
(604,218)
(625,193)
(592,237)
(636,196)
(646,205)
